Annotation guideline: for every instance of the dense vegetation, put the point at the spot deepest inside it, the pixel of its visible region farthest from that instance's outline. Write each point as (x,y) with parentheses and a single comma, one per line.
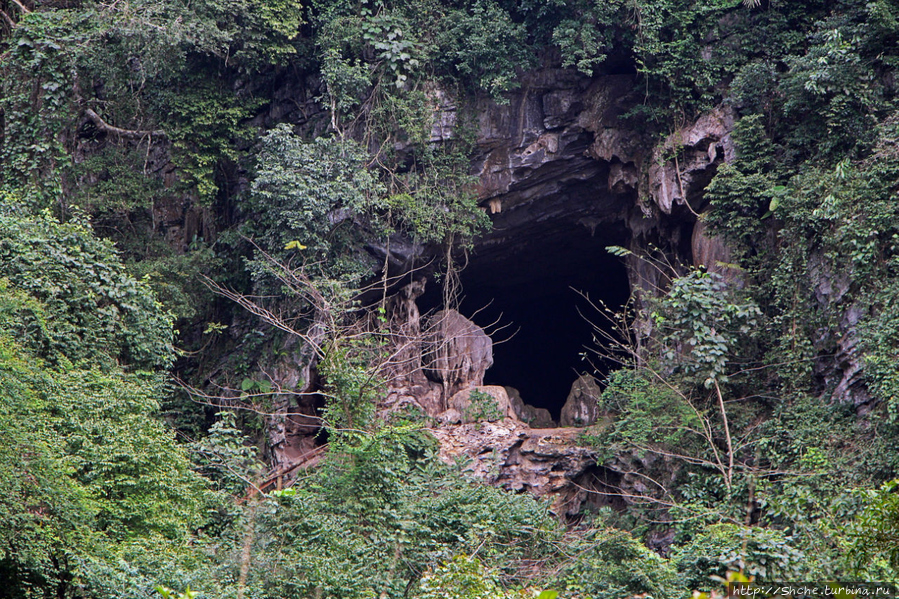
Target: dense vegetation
(112,483)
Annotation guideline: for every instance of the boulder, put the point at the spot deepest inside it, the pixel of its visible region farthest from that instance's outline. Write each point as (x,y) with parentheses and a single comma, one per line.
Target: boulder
(538,417)
(533,417)
(515,400)
(457,352)
(582,406)
(484,403)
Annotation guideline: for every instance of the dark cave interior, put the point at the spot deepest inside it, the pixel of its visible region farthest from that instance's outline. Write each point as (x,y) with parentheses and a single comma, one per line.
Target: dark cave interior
(525,295)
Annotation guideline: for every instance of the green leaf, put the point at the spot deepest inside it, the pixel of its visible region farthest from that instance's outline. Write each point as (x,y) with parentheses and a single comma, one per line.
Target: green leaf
(166,593)
(617,250)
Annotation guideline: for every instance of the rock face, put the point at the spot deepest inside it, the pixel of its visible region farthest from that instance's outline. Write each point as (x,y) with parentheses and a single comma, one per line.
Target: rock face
(479,404)
(582,407)
(713,253)
(533,417)
(509,453)
(709,251)
(842,375)
(457,352)
(538,167)
(539,141)
(686,162)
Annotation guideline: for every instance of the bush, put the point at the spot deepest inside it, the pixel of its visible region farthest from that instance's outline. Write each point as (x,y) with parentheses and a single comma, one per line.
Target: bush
(92,312)
(768,555)
(615,565)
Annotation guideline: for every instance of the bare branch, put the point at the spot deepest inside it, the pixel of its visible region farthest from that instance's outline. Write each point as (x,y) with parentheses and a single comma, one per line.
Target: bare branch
(8,19)
(730,446)
(117,131)
(228,402)
(22,7)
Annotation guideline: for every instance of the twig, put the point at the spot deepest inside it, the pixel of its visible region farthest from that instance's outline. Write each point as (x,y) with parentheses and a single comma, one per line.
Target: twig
(730,447)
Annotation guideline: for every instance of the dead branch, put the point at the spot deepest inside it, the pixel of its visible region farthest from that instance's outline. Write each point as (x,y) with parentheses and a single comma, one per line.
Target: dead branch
(254,308)
(8,19)
(730,446)
(118,131)
(22,7)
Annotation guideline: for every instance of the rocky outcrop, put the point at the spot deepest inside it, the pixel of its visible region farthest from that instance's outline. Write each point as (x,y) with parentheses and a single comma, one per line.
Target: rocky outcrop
(685,163)
(479,404)
(557,463)
(533,417)
(509,453)
(457,352)
(582,406)
(560,157)
(404,373)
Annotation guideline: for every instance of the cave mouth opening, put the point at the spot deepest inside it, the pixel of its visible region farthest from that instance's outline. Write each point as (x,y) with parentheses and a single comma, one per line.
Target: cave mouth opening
(525,293)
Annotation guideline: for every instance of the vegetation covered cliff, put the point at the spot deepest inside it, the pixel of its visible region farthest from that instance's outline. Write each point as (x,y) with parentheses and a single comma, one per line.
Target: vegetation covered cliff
(241,242)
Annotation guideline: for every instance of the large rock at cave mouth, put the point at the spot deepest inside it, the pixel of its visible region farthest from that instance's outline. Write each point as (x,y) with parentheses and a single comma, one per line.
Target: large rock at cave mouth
(533,417)
(457,352)
(488,403)
(582,406)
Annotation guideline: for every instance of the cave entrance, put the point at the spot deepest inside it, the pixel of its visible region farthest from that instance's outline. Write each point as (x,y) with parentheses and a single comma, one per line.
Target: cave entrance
(527,287)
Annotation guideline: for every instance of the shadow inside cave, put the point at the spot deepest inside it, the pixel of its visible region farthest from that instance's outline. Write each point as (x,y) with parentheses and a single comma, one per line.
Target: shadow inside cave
(526,297)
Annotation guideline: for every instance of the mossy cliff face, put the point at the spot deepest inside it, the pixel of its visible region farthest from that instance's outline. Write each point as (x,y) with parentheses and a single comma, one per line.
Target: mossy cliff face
(559,159)
(680,327)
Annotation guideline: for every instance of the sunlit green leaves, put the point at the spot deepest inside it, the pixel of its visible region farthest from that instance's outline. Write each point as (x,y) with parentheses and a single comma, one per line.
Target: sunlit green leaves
(86,469)
(93,312)
(317,197)
(702,320)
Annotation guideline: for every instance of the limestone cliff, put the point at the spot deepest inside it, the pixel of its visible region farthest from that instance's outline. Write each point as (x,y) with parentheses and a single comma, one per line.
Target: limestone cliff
(558,158)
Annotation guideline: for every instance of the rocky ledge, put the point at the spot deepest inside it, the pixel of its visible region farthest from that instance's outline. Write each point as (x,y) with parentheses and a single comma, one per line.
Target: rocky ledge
(544,462)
